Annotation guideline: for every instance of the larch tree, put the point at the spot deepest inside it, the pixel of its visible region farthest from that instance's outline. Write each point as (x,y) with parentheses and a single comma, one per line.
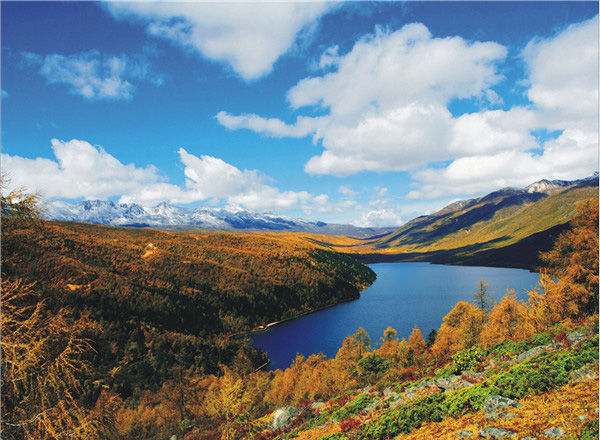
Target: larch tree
(42,360)
(573,264)
(482,297)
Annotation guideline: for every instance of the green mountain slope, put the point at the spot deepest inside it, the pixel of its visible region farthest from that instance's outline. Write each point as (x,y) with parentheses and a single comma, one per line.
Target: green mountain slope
(505,228)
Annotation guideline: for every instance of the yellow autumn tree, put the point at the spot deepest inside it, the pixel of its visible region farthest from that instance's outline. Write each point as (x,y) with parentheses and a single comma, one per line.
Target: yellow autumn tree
(42,359)
(461,328)
(508,320)
(42,368)
(228,400)
(416,345)
(573,265)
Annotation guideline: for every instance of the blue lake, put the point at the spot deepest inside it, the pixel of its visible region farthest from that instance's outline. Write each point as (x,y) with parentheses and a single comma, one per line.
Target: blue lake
(403,295)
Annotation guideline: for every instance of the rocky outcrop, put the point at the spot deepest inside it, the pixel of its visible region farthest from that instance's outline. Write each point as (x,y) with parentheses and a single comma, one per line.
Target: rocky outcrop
(493,432)
(282,417)
(497,403)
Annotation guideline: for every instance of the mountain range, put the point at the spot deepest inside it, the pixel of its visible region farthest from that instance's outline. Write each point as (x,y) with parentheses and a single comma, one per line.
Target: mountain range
(506,228)
(166,216)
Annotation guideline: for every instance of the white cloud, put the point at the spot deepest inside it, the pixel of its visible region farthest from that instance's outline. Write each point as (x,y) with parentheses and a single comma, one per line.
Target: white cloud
(386,109)
(386,100)
(572,155)
(81,170)
(563,73)
(379,218)
(563,87)
(93,75)
(247,36)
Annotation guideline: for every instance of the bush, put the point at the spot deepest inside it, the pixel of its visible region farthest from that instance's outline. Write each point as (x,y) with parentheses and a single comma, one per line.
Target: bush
(468,359)
(404,419)
(467,399)
(541,339)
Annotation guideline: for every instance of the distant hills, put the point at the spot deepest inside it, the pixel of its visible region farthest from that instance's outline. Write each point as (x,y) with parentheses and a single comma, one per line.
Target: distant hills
(165,216)
(505,228)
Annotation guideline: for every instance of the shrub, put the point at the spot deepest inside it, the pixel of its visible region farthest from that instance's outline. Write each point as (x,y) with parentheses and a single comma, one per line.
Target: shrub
(404,419)
(468,359)
(467,399)
(349,424)
(541,339)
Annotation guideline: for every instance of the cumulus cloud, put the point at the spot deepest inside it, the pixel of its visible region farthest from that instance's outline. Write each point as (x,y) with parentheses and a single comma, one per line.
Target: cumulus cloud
(249,37)
(386,100)
(93,75)
(379,218)
(563,75)
(563,88)
(81,170)
(386,109)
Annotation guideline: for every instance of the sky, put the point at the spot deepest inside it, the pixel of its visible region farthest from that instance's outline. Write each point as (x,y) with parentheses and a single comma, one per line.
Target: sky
(368,113)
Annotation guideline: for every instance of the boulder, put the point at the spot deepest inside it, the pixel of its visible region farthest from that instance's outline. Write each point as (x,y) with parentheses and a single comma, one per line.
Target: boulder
(453,383)
(497,403)
(496,432)
(583,373)
(534,352)
(465,433)
(282,417)
(554,432)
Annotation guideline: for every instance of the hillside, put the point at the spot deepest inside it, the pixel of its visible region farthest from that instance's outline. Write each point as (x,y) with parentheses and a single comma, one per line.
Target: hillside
(159,299)
(499,395)
(507,228)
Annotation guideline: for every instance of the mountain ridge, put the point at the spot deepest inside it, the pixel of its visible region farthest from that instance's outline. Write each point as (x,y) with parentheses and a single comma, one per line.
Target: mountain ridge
(168,216)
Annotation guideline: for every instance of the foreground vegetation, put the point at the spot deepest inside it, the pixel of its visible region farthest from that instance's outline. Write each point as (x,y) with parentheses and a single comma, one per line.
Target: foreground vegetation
(88,310)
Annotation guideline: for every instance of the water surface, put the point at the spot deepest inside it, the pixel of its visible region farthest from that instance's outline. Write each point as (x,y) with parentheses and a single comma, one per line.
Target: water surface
(403,295)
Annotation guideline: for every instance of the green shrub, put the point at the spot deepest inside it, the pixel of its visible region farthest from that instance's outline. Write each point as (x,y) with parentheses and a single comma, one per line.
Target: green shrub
(468,359)
(541,339)
(590,430)
(404,419)
(508,348)
(468,399)
(373,364)
(542,373)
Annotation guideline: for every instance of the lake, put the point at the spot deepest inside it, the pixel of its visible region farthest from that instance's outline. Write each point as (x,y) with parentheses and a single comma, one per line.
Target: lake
(403,295)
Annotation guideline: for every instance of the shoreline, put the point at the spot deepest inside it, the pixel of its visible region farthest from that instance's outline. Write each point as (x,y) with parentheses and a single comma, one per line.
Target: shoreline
(264,328)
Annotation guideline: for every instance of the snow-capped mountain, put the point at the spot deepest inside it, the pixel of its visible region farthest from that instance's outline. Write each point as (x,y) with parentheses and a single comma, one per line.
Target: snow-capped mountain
(165,215)
(545,186)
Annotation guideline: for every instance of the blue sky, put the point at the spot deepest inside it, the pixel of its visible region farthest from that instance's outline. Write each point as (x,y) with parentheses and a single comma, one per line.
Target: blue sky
(363,113)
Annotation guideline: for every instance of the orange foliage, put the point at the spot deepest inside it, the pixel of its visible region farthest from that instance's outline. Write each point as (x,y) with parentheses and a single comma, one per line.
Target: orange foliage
(461,329)
(508,319)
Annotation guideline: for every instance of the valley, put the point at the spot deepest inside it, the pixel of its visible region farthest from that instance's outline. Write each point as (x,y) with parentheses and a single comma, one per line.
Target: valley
(140,323)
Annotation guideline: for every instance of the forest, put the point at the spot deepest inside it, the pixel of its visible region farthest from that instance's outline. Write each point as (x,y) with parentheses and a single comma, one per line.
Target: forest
(101,336)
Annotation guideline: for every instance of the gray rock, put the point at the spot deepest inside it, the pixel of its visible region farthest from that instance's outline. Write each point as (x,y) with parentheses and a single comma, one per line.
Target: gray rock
(500,414)
(387,392)
(496,432)
(582,418)
(464,433)
(577,336)
(583,373)
(534,352)
(282,417)
(554,432)
(452,383)
(496,403)
(316,405)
